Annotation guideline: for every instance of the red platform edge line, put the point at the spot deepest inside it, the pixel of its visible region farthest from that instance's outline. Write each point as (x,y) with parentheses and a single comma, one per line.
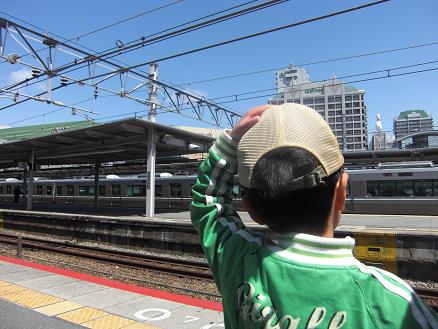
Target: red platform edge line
(214,306)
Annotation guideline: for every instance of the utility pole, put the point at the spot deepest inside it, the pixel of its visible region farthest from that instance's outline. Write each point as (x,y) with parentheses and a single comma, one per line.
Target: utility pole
(151,150)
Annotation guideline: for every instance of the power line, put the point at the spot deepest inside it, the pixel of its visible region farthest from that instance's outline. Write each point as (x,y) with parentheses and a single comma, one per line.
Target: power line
(235,39)
(273,94)
(386,71)
(96,30)
(311,63)
(172,34)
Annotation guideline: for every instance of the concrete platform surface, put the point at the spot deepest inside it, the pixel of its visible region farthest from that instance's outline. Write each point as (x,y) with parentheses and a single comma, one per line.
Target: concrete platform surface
(38,296)
(361,222)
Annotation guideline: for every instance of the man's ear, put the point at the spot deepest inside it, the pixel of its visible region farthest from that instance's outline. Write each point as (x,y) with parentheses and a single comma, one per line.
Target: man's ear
(341,192)
(252,213)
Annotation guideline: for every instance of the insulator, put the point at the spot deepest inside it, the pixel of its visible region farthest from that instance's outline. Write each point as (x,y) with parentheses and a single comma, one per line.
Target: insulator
(64,81)
(95,93)
(36,72)
(13,58)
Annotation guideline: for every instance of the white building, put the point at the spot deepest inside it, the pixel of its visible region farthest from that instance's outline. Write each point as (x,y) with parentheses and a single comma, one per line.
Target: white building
(341,105)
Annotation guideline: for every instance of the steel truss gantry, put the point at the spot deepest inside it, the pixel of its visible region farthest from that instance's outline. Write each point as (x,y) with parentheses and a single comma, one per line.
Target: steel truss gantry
(173,99)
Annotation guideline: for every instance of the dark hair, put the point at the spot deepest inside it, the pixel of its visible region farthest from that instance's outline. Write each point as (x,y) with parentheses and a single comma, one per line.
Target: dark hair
(283,210)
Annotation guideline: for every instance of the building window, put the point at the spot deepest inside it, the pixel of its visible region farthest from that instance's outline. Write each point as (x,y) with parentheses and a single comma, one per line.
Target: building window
(348,112)
(349,139)
(307,101)
(357,118)
(319,107)
(356,97)
(356,111)
(330,99)
(331,113)
(349,147)
(331,120)
(319,100)
(338,106)
(331,106)
(357,139)
(347,105)
(332,126)
(348,119)
(356,125)
(338,99)
(356,104)
(339,126)
(338,112)
(349,125)
(348,98)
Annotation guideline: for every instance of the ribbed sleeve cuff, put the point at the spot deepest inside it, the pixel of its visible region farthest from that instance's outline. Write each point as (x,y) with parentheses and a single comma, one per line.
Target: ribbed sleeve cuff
(226,148)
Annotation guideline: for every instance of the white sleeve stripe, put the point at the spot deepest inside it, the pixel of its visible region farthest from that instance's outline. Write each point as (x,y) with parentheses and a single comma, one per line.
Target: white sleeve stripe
(213,178)
(398,291)
(430,317)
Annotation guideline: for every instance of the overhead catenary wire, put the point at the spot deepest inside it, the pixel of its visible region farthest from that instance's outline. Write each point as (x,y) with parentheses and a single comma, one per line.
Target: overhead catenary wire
(179,32)
(95,30)
(333,14)
(323,61)
(273,94)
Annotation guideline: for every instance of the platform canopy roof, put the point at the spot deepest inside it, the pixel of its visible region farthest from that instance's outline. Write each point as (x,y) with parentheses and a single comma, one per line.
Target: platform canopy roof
(115,141)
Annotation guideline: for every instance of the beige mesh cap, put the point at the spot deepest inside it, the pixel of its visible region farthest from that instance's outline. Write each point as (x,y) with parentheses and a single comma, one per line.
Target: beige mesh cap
(290,125)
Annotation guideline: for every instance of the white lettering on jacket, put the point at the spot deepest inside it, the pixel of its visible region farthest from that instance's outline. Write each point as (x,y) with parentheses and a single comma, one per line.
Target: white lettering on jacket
(250,308)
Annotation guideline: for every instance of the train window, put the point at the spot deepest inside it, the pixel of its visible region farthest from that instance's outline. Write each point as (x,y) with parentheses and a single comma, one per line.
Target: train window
(424,188)
(1,189)
(405,174)
(115,189)
(39,189)
(8,189)
(136,190)
(59,190)
(102,190)
(175,190)
(387,188)
(86,190)
(70,190)
(405,188)
(158,190)
(49,190)
(372,188)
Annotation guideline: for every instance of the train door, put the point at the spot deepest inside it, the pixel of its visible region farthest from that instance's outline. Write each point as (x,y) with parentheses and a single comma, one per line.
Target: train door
(116,195)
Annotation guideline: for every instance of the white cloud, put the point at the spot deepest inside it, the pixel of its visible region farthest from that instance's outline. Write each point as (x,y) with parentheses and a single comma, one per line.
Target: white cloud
(4,127)
(20,75)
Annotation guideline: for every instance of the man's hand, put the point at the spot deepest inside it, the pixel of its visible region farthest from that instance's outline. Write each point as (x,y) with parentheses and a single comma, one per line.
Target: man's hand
(247,122)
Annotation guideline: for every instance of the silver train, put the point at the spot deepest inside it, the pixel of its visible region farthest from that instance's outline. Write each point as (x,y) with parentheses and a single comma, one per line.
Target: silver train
(389,189)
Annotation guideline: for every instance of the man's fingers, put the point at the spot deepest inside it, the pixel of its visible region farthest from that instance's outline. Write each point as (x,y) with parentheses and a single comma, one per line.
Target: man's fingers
(257,111)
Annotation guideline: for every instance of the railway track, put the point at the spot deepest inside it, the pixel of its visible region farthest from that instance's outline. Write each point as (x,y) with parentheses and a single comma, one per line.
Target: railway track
(161,264)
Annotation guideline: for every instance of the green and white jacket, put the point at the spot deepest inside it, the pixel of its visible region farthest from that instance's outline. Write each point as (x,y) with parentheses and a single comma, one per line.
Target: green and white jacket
(297,281)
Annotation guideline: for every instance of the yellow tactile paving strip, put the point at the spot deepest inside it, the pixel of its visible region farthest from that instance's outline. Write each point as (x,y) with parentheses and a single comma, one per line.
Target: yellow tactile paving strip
(109,321)
(53,306)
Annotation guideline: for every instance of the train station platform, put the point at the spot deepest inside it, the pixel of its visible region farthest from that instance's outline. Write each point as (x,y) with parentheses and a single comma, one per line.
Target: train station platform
(36,296)
(355,222)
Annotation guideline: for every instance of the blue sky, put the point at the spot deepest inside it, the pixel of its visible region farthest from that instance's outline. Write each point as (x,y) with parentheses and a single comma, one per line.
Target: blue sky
(396,24)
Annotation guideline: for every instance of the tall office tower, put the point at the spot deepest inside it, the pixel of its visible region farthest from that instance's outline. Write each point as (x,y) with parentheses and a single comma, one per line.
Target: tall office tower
(341,105)
(412,121)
